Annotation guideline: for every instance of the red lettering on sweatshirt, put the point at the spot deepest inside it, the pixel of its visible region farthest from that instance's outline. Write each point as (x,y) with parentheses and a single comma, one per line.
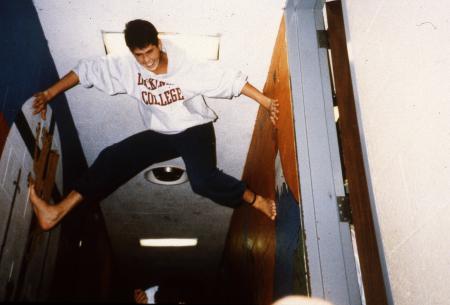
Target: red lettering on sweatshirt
(150,83)
(167,97)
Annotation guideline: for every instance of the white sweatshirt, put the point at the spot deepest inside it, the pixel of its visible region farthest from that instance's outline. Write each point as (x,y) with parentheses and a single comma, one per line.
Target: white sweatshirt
(169,103)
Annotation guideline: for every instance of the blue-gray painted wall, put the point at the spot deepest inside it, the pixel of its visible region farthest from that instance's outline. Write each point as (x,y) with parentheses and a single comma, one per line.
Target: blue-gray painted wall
(26,68)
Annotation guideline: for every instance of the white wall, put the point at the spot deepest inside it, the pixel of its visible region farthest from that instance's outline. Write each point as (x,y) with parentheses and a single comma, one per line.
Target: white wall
(248,30)
(139,209)
(400,57)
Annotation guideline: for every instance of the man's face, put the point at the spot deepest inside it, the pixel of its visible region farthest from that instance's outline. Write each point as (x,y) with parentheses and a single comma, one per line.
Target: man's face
(149,57)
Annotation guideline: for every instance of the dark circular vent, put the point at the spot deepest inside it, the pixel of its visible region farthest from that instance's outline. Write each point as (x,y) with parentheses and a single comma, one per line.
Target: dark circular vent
(166,175)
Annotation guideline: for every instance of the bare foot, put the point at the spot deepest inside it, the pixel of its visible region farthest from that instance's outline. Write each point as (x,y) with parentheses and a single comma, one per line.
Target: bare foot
(267,206)
(46,214)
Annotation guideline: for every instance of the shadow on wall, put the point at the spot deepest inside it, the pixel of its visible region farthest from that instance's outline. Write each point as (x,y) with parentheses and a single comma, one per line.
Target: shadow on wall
(81,273)
(290,273)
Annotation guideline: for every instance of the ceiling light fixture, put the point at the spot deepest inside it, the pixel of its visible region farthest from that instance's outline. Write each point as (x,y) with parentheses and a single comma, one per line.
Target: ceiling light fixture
(204,47)
(166,175)
(168,242)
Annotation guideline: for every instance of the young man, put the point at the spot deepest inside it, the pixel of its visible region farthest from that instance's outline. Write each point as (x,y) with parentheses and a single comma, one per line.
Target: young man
(169,88)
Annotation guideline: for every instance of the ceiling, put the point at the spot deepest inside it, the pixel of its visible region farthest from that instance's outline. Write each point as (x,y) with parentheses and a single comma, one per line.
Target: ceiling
(140,209)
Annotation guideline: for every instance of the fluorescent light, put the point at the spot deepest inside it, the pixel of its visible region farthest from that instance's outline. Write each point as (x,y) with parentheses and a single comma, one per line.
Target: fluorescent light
(204,47)
(115,43)
(197,46)
(168,242)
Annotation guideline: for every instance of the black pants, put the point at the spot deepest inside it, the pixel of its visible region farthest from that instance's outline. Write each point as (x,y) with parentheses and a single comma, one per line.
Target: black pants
(121,161)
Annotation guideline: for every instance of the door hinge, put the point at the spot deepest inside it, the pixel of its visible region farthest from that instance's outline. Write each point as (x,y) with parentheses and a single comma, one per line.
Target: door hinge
(322,39)
(343,204)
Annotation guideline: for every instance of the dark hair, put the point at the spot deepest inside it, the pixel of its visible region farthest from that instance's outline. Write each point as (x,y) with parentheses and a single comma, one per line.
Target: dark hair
(139,34)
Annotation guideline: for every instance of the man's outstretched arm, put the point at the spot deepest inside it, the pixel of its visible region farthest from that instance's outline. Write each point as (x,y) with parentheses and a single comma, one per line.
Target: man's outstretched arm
(44,97)
(270,104)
